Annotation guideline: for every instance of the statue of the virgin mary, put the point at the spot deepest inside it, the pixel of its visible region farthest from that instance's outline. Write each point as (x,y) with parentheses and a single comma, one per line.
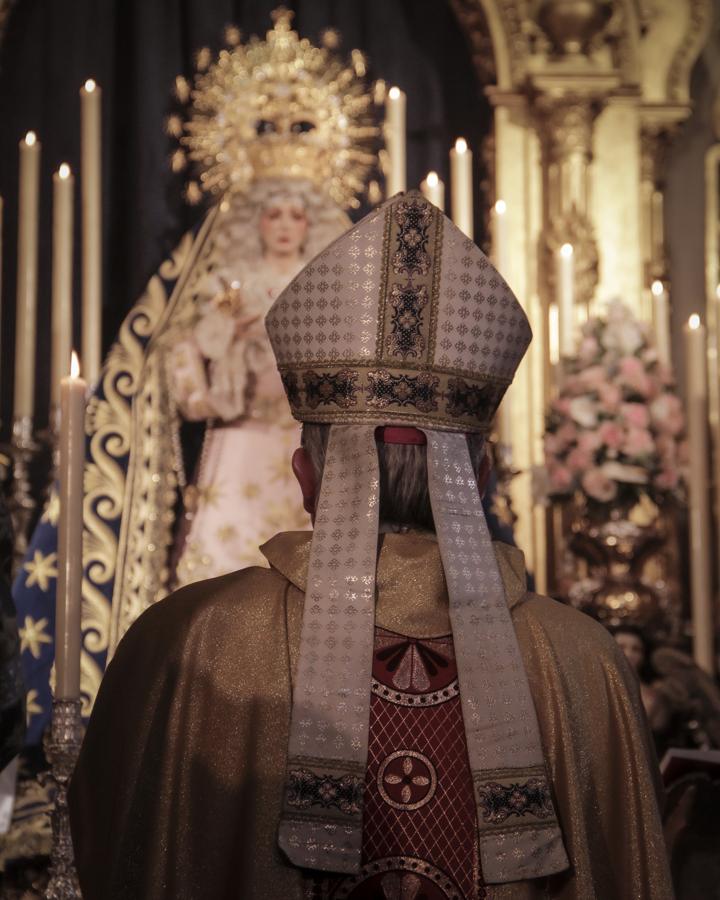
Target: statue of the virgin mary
(279,133)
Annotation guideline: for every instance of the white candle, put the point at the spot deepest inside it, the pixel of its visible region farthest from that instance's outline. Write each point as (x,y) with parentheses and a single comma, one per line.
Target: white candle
(62,311)
(661,321)
(70,545)
(433,188)
(500,237)
(699,476)
(461,187)
(565,276)
(395,141)
(91,110)
(500,249)
(26,323)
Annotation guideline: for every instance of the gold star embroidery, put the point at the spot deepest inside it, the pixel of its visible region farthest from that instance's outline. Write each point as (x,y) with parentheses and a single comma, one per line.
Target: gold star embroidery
(52,510)
(40,570)
(209,494)
(32,708)
(32,635)
(226,533)
(250,491)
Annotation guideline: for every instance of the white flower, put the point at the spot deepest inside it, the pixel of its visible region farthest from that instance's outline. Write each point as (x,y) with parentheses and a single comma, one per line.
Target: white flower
(583,410)
(627,474)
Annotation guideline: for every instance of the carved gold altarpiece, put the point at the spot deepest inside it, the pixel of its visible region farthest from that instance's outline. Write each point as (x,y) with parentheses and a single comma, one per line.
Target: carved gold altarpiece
(587,97)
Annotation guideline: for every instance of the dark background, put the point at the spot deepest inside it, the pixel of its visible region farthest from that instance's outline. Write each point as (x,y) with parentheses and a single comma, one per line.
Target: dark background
(134,49)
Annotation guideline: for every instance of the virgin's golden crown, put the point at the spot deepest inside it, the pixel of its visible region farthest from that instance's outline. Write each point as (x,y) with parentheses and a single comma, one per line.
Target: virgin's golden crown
(281,107)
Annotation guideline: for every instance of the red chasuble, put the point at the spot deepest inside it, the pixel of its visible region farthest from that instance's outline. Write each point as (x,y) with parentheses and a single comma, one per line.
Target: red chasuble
(419,828)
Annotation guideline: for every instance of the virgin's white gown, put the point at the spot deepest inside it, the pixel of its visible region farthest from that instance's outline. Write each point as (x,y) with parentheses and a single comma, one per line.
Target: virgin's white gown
(244,491)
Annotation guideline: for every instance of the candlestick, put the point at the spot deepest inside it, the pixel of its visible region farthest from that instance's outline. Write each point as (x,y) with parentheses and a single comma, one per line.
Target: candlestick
(27,276)
(434,189)
(661,321)
(70,568)
(461,187)
(91,98)
(395,140)
(63,749)
(565,275)
(699,477)
(62,312)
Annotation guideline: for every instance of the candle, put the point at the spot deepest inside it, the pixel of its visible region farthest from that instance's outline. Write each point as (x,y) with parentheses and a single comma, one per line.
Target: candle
(26,322)
(461,187)
(499,238)
(395,141)
(434,189)
(63,195)
(91,97)
(565,274)
(661,320)
(699,476)
(553,334)
(70,563)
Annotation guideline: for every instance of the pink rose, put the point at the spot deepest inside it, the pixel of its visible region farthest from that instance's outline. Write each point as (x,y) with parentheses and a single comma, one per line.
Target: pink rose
(566,434)
(633,374)
(590,441)
(611,435)
(610,397)
(589,348)
(560,480)
(636,414)
(561,405)
(667,414)
(579,460)
(638,442)
(667,480)
(593,378)
(551,444)
(598,486)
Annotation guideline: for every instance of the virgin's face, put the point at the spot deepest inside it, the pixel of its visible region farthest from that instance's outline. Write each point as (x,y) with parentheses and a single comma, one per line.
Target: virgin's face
(632,647)
(283,228)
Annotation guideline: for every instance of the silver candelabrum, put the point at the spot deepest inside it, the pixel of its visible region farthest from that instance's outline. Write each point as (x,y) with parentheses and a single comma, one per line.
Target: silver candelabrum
(65,739)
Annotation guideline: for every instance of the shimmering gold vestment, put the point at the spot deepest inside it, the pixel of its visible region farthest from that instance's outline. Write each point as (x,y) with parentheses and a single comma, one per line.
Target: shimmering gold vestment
(178,789)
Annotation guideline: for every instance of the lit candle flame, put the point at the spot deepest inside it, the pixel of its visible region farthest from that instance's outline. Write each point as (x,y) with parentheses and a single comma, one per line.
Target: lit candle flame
(432,179)
(64,171)
(657,288)
(500,207)
(74,366)
(31,138)
(566,250)
(90,85)
(694,321)
(394,93)
(461,145)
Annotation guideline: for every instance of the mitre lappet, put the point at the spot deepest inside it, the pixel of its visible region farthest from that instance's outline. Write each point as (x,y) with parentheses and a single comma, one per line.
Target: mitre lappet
(404,321)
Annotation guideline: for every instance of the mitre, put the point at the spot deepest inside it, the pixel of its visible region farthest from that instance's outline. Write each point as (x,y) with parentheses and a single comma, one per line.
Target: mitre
(404,321)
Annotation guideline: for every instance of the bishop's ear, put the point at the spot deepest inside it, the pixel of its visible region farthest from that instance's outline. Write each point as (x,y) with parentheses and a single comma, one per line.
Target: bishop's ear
(305,473)
(484,473)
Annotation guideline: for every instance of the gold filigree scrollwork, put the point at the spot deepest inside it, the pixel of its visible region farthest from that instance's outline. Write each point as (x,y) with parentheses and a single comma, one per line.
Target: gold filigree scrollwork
(150,492)
(655,141)
(566,128)
(499,38)
(678,80)
(574,26)
(108,427)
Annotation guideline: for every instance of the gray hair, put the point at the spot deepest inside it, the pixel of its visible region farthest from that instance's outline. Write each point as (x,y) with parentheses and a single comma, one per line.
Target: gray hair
(404,492)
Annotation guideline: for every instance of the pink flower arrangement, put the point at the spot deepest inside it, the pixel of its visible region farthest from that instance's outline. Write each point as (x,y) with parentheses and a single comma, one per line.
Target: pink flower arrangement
(615,430)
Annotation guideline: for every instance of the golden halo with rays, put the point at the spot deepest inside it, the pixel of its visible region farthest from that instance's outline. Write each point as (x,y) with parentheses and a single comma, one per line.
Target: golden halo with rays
(279,107)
